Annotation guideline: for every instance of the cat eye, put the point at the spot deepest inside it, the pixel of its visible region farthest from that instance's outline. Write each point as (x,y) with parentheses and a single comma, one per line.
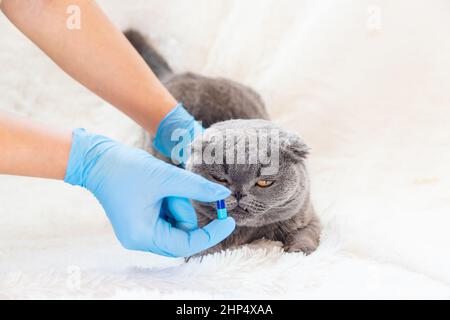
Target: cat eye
(264,183)
(218,179)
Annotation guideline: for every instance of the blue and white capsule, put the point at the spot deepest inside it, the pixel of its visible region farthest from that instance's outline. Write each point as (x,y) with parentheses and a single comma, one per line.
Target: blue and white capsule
(221,210)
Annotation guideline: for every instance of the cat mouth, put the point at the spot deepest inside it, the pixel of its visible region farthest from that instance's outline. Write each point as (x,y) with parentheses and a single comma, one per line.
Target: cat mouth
(240,211)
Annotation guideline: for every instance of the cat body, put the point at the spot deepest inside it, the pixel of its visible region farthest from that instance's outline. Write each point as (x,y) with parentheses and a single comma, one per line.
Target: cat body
(275,206)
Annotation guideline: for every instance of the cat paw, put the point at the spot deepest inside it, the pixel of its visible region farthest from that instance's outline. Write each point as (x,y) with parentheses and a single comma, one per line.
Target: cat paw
(305,246)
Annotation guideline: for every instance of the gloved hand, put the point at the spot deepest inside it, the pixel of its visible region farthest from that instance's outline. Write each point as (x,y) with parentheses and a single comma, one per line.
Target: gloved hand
(146,199)
(175,133)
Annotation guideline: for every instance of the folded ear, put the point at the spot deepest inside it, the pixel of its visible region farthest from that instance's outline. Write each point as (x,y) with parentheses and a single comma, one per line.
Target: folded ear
(294,147)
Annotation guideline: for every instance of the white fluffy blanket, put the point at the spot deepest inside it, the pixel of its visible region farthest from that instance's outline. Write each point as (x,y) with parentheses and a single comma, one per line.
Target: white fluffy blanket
(366,83)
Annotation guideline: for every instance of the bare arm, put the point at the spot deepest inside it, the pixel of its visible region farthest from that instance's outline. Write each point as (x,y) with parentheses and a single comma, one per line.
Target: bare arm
(29,149)
(97,55)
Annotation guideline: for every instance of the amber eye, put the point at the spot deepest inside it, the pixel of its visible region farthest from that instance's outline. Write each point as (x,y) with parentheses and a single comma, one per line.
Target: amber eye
(218,179)
(264,183)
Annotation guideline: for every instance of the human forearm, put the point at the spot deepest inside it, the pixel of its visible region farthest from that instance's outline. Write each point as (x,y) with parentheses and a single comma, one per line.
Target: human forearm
(97,55)
(129,183)
(29,149)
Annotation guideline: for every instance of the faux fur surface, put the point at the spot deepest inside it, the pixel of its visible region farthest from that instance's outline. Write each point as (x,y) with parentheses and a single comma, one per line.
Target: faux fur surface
(364,82)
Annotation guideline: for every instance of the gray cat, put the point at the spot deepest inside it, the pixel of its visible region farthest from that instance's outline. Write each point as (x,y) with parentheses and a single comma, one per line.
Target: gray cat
(275,206)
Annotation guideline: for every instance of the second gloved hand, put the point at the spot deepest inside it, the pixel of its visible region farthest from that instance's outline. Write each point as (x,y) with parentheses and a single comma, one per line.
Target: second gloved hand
(146,199)
(175,133)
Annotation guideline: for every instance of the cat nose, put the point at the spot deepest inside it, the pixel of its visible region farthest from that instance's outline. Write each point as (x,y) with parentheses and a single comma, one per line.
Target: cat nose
(238,195)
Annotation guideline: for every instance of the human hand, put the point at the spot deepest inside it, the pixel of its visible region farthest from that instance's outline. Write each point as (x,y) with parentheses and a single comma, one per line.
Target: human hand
(167,139)
(146,199)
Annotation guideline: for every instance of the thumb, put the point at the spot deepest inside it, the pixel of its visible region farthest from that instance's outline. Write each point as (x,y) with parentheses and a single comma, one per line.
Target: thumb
(182,212)
(178,243)
(186,184)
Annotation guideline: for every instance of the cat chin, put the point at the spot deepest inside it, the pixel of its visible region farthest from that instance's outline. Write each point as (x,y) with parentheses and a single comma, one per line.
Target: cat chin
(244,224)
(243,221)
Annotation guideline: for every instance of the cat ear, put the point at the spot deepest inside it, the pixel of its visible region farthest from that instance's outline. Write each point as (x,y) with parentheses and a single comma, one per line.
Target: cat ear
(295,147)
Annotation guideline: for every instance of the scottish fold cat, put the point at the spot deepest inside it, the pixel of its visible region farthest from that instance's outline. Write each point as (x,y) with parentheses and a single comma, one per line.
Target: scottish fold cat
(270,199)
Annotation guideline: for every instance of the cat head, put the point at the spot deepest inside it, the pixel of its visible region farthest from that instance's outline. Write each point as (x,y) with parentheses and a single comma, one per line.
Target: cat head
(263,166)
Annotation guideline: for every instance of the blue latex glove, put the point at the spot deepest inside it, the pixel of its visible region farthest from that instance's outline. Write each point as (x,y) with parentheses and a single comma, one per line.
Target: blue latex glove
(170,145)
(146,199)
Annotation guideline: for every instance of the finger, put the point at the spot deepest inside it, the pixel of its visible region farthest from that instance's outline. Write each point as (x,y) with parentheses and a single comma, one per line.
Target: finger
(189,185)
(179,243)
(182,212)
(210,235)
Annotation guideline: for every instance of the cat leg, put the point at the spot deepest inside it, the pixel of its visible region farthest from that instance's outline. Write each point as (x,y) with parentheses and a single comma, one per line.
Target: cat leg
(305,239)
